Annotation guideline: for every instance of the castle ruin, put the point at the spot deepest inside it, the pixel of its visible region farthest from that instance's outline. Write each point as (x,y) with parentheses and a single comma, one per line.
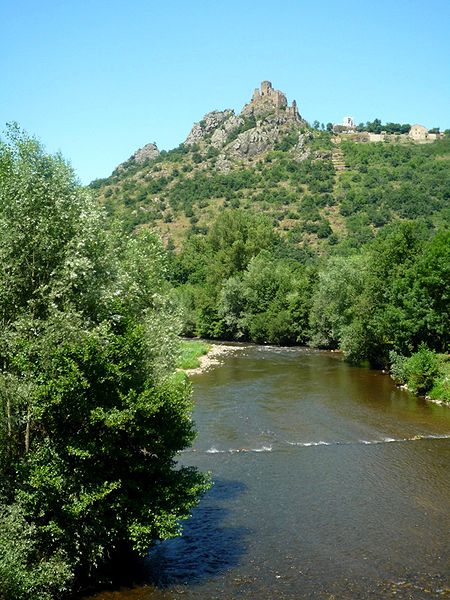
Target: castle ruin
(265,100)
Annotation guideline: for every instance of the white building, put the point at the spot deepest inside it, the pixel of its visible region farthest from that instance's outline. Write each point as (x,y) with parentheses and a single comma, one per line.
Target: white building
(348,122)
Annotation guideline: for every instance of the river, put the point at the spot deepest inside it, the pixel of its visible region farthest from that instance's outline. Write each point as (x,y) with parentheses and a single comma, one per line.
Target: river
(329,483)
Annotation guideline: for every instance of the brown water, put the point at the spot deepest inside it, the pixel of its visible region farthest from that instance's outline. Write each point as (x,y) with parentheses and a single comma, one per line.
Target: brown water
(329,483)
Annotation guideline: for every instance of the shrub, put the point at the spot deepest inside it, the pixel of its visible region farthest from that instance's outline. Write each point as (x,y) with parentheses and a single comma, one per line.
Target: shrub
(441,386)
(397,369)
(422,369)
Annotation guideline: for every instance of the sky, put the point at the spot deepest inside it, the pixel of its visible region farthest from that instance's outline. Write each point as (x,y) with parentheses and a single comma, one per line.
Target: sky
(98,79)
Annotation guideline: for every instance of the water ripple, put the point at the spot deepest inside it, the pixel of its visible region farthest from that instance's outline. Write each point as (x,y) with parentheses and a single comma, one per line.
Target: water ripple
(385,440)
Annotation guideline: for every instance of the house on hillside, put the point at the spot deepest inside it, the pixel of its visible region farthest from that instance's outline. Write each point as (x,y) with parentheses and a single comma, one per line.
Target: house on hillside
(348,122)
(418,132)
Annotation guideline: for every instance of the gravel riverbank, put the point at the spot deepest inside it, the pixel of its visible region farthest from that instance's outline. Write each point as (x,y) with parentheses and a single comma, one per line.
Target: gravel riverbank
(213,358)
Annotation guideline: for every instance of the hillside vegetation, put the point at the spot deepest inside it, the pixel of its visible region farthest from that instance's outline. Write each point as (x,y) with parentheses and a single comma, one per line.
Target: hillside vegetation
(307,238)
(181,192)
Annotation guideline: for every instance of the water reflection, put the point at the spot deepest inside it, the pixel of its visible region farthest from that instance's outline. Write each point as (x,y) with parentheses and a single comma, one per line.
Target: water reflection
(208,546)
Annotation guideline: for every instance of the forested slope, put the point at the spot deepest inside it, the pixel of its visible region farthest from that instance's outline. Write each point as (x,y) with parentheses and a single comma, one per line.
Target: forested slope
(286,248)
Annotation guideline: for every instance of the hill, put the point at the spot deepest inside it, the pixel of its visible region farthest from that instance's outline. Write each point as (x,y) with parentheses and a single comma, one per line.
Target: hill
(319,189)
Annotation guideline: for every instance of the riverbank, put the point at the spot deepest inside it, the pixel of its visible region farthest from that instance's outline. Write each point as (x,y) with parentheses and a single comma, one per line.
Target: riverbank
(198,356)
(212,358)
(425,397)
(190,353)
(424,373)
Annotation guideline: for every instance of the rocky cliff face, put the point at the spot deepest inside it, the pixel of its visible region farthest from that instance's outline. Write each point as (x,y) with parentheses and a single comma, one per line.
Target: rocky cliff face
(258,127)
(209,124)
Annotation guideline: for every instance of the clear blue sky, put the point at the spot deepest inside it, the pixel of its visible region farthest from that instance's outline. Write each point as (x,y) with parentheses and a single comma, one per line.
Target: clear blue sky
(98,79)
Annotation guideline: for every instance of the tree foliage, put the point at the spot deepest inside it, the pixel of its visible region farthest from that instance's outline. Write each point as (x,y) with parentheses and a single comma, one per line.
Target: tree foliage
(91,416)
(392,297)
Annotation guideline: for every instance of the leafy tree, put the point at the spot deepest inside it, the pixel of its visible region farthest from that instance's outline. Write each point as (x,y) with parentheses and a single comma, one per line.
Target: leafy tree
(379,324)
(269,302)
(334,301)
(91,417)
(24,572)
(428,297)
(234,239)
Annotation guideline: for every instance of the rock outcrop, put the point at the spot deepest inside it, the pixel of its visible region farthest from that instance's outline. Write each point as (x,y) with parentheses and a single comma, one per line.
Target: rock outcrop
(148,152)
(256,129)
(254,141)
(207,126)
(220,137)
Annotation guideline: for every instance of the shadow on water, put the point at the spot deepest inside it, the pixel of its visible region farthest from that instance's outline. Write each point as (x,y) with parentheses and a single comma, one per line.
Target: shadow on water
(208,546)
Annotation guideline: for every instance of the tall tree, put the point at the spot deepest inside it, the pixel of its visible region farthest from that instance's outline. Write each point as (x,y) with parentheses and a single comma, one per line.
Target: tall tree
(91,415)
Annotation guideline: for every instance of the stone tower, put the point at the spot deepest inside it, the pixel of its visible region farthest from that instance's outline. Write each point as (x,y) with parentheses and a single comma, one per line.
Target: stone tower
(266,100)
(266,88)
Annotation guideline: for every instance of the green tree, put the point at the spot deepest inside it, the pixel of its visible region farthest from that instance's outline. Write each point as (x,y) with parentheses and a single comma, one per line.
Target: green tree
(428,296)
(383,319)
(334,301)
(269,302)
(236,237)
(91,416)
(24,572)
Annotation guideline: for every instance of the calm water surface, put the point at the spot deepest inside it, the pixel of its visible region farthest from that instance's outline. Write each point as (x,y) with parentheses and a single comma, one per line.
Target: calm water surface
(329,483)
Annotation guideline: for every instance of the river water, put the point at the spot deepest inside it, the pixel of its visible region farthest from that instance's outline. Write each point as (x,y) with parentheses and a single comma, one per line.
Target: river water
(329,483)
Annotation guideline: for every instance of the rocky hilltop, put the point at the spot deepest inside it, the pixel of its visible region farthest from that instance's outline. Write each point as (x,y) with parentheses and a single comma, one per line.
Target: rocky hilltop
(267,101)
(318,189)
(261,126)
(228,159)
(258,127)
